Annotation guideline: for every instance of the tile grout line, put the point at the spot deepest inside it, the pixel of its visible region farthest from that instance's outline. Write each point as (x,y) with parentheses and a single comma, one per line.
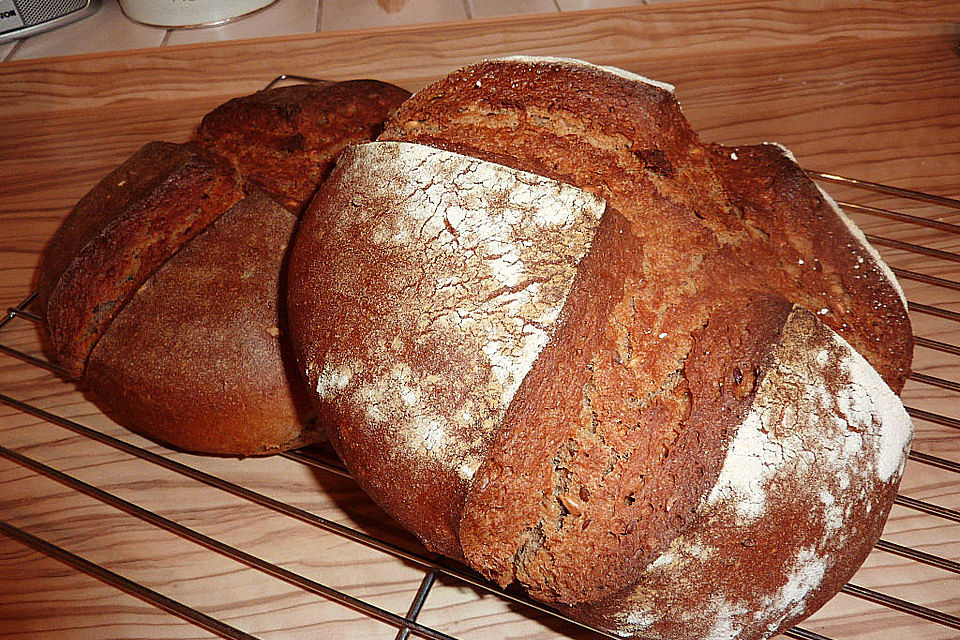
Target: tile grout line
(319,15)
(467,9)
(16,47)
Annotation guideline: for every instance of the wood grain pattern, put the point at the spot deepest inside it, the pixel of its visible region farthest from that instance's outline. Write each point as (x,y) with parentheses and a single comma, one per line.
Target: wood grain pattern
(869,89)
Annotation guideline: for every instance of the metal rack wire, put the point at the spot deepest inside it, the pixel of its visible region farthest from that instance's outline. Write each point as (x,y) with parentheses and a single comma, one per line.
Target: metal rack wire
(435,568)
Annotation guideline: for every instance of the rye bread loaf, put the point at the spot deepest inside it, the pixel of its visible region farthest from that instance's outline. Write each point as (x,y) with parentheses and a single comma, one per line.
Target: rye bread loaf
(202,344)
(558,337)
(161,290)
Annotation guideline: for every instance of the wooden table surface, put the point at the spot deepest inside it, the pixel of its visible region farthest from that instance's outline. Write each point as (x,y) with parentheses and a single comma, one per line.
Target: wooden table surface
(864,89)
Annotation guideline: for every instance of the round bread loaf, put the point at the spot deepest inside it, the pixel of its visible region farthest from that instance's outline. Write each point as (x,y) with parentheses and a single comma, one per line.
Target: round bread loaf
(556,336)
(162,288)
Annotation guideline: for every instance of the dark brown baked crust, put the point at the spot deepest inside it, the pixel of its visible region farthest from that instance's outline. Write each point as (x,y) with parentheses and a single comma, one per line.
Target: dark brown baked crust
(186,330)
(202,319)
(629,142)
(814,264)
(622,479)
(433,298)
(728,572)
(285,140)
(751,226)
(684,330)
(100,206)
(119,255)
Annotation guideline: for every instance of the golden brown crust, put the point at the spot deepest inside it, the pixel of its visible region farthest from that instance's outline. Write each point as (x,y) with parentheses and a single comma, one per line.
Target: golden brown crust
(107,270)
(285,140)
(682,322)
(803,495)
(732,232)
(816,263)
(436,336)
(621,480)
(213,327)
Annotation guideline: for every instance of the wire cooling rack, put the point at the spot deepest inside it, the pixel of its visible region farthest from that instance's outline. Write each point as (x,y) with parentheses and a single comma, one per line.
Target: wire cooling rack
(934,292)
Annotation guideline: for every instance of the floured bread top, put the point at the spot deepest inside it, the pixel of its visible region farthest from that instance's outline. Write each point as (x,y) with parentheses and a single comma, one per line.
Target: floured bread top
(848,422)
(498,250)
(477,261)
(599,385)
(825,436)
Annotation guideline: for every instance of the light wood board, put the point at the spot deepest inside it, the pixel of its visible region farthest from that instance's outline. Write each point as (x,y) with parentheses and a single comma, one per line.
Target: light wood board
(866,89)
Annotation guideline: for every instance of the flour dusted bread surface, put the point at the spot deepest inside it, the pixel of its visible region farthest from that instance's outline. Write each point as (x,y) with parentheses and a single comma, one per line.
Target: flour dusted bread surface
(805,488)
(162,289)
(697,448)
(435,340)
(628,142)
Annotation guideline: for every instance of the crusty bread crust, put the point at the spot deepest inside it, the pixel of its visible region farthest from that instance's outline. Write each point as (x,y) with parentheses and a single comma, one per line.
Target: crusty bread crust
(628,142)
(100,206)
(818,262)
(470,287)
(805,489)
(683,321)
(285,140)
(106,271)
(186,329)
(620,479)
(203,319)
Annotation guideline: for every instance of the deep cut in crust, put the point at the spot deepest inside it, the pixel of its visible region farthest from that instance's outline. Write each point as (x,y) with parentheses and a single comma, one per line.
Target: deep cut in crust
(162,289)
(469,286)
(119,256)
(805,489)
(718,299)
(628,142)
(129,182)
(200,319)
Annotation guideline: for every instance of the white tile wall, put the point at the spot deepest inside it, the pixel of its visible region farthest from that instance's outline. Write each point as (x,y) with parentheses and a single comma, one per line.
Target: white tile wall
(283,18)
(490,8)
(106,30)
(110,30)
(336,15)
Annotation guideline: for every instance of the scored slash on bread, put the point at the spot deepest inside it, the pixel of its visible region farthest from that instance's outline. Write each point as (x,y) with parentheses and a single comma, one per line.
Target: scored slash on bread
(433,303)
(723,320)
(161,289)
(105,257)
(627,141)
(805,488)
(200,308)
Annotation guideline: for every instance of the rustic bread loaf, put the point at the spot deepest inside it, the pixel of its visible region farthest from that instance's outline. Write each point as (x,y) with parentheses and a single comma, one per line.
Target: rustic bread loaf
(161,289)
(197,358)
(95,263)
(558,337)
